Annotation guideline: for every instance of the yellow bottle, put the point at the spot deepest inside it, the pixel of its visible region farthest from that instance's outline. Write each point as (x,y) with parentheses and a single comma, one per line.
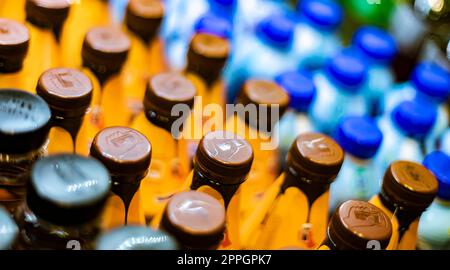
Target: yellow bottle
(143,19)
(45,22)
(169,168)
(14,43)
(358,225)
(265,102)
(84,14)
(13,9)
(294,210)
(408,189)
(195,219)
(68,92)
(105,50)
(126,153)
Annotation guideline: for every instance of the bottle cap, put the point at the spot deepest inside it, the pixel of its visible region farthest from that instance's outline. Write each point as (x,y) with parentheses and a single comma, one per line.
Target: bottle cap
(8,230)
(322,13)
(48,13)
(143,17)
(277,30)
(439,164)
(432,80)
(375,43)
(24,122)
(415,117)
(264,93)
(348,69)
(300,87)
(215,25)
(14,42)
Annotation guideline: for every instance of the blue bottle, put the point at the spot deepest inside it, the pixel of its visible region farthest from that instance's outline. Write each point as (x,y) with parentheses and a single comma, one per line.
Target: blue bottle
(340,91)
(379,49)
(263,55)
(445,142)
(434,226)
(405,129)
(359,178)
(8,230)
(316,38)
(301,89)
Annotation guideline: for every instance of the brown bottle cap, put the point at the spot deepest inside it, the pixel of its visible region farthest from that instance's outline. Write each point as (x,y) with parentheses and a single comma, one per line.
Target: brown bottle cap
(207,55)
(105,50)
(143,17)
(316,156)
(122,150)
(409,185)
(356,223)
(224,157)
(196,219)
(66,91)
(47,13)
(14,41)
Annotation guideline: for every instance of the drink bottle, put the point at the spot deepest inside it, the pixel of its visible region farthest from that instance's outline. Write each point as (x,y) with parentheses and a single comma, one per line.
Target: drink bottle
(260,105)
(301,90)
(24,128)
(195,219)
(359,178)
(379,49)
(434,223)
(126,153)
(371,12)
(136,238)
(316,37)
(65,198)
(294,209)
(68,92)
(408,189)
(9,230)
(166,93)
(358,225)
(14,40)
(341,88)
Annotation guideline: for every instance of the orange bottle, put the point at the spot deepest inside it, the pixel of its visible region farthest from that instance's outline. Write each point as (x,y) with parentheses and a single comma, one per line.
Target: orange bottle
(68,92)
(294,210)
(14,43)
(260,105)
(126,153)
(408,189)
(169,168)
(143,19)
(358,225)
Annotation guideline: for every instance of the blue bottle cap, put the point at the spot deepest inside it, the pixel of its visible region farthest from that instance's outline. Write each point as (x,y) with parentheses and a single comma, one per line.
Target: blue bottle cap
(211,24)
(300,87)
(223,8)
(375,43)
(278,30)
(322,13)
(432,80)
(348,69)
(359,136)
(8,230)
(223,3)
(415,117)
(439,164)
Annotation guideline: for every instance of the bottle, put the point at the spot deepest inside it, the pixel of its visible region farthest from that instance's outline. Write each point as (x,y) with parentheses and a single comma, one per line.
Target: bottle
(301,90)
(259,107)
(14,40)
(65,199)
(166,93)
(359,178)
(434,223)
(340,91)
(405,130)
(142,21)
(358,225)
(195,219)
(105,50)
(316,37)
(126,153)
(371,12)
(445,142)
(136,238)
(9,230)
(294,209)
(379,49)
(45,22)
(68,92)
(408,189)
(24,127)
(264,54)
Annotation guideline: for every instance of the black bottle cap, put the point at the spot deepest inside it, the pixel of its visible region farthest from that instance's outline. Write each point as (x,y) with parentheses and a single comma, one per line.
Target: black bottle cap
(14,42)
(143,17)
(68,189)
(24,121)
(136,238)
(49,14)
(8,230)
